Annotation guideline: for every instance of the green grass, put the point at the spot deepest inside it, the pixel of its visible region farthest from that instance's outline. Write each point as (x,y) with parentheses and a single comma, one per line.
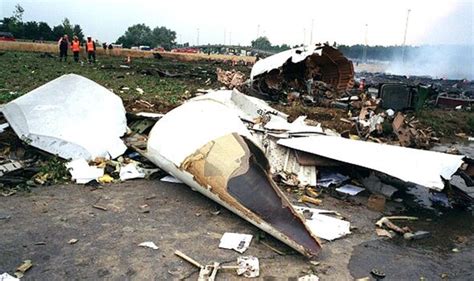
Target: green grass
(448,123)
(23,72)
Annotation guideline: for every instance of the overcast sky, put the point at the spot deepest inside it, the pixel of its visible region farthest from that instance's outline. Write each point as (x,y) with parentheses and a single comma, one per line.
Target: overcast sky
(239,22)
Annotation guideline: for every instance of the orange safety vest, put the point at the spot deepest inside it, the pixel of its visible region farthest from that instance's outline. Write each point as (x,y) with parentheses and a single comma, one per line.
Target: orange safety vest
(90,46)
(75,46)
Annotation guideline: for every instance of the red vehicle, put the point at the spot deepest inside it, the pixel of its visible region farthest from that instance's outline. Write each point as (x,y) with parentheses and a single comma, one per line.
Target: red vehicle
(6,36)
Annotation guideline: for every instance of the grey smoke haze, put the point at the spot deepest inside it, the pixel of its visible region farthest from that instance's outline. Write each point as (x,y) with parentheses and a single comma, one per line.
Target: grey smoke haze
(453,60)
(440,61)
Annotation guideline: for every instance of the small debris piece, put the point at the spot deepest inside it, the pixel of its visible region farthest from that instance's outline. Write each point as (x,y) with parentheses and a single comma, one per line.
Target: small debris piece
(7,277)
(378,274)
(307,199)
(455,250)
(148,244)
(100,207)
(350,189)
(230,79)
(40,243)
(131,171)
(323,226)
(272,248)
(105,179)
(188,259)
(417,235)
(82,173)
(248,266)
(383,233)
(170,179)
(235,241)
(25,266)
(386,221)
(309,277)
(376,202)
(73,241)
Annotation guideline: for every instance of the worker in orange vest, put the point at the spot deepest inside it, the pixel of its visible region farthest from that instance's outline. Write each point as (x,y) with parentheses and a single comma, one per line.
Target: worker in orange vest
(90,49)
(76,48)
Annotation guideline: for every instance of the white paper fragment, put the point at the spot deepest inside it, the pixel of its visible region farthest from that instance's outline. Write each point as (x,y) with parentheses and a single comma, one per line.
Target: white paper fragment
(82,173)
(131,171)
(3,127)
(350,189)
(148,244)
(170,179)
(309,277)
(248,266)
(150,114)
(235,241)
(7,277)
(72,117)
(422,167)
(390,112)
(323,226)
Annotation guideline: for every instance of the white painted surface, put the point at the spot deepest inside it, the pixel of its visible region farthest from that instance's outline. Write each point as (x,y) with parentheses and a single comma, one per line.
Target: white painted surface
(411,165)
(72,117)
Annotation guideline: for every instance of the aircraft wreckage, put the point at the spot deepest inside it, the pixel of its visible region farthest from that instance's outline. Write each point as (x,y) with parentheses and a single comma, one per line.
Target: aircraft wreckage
(215,144)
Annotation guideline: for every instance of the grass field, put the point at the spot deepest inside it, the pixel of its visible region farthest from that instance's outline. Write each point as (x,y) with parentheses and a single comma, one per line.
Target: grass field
(23,72)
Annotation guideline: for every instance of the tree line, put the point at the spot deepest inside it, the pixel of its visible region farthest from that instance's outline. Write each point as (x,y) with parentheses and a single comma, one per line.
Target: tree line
(160,36)
(141,34)
(33,30)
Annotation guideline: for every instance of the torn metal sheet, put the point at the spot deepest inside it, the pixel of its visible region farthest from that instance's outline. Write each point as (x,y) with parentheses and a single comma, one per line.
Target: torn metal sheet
(207,146)
(422,167)
(325,227)
(277,60)
(310,63)
(10,166)
(247,108)
(350,189)
(72,117)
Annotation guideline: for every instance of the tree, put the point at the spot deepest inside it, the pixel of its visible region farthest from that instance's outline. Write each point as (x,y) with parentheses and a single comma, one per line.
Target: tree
(136,35)
(58,32)
(65,28)
(31,30)
(45,32)
(77,30)
(18,13)
(164,37)
(262,43)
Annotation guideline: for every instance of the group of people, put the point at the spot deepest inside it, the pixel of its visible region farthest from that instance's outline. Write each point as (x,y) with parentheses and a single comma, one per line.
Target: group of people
(75,45)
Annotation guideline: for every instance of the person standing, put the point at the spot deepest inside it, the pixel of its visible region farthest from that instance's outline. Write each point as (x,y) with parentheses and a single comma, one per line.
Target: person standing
(90,49)
(76,48)
(63,47)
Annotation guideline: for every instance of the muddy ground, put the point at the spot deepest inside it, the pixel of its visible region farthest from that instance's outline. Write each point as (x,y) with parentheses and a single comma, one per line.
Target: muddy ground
(38,226)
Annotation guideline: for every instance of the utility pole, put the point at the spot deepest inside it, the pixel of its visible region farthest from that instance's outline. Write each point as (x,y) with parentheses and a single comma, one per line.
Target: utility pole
(197,39)
(230,38)
(225,34)
(304,36)
(405,36)
(311,35)
(364,53)
(258,30)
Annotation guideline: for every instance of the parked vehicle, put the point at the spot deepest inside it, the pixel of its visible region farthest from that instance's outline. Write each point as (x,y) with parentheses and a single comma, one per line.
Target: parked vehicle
(6,36)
